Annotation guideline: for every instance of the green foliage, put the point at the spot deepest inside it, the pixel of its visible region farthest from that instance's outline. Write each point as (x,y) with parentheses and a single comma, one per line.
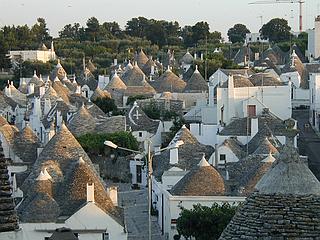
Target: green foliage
(238,33)
(153,111)
(132,99)
(27,69)
(107,105)
(94,142)
(276,30)
(205,223)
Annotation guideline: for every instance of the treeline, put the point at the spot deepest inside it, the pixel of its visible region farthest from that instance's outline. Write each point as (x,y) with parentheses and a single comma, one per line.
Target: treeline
(159,32)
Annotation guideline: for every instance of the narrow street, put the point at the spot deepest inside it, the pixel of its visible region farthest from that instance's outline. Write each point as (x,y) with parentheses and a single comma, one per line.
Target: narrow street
(309,141)
(135,204)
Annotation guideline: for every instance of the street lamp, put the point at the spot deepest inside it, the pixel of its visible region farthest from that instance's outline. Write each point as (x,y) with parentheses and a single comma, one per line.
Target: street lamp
(176,144)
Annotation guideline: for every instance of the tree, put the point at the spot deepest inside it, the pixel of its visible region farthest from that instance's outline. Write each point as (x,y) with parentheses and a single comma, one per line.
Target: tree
(238,33)
(200,31)
(204,223)
(40,32)
(107,105)
(94,142)
(93,28)
(276,30)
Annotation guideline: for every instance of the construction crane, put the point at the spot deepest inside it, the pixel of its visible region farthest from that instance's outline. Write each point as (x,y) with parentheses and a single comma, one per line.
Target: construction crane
(286,1)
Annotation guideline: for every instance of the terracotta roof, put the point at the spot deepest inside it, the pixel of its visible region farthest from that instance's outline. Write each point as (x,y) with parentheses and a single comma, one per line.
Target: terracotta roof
(202,180)
(8,217)
(196,83)
(169,82)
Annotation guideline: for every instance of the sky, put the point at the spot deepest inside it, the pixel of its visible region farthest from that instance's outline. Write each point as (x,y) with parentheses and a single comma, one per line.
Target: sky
(221,15)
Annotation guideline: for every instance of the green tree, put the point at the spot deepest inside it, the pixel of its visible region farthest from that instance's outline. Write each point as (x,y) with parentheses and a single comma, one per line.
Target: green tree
(200,31)
(238,33)
(40,31)
(276,30)
(94,142)
(93,27)
(107,105)
(204,223)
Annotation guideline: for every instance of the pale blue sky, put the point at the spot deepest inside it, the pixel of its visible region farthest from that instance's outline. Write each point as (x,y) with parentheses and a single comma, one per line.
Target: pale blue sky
(221,15)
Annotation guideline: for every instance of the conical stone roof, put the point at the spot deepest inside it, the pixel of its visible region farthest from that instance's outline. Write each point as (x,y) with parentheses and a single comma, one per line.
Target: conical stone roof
(60,157)
(8,215)
(196,83)
(169,82)
(98,93)
(116,83)
(202,180)
(141,58)
(82,122)
(285,205)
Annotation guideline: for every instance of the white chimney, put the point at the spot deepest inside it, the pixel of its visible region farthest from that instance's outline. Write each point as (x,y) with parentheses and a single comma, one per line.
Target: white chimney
(201,56)
(195,56)
(115,62)
(254,126)
(59,119)
(31,88)
(174,156)
(152,70)
(47,105)
(78,90)
(157,150)
(90,192)
(42,91)
(39,150)
(113,194)
(7,90)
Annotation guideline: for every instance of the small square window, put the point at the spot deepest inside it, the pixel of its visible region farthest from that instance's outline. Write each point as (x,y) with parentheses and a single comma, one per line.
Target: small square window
(140,134)
(222,157)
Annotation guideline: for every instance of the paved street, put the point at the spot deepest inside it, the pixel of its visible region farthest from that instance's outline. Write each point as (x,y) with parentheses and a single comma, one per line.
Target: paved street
(309,141)
(135,205)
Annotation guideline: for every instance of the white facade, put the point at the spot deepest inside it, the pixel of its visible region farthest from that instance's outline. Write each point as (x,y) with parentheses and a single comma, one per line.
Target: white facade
(171,208)
(315,100)
(234,102)
(313,50)
(254,38)
(33,55)
(90,222)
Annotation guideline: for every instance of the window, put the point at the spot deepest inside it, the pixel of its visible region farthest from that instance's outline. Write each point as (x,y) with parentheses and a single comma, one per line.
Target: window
(222,157)
(140,134)
(251,110)
(105,236)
